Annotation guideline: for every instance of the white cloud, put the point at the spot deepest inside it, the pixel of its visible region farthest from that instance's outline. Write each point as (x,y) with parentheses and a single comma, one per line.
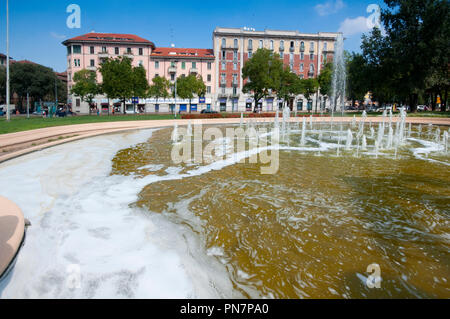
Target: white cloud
(354,26)
(58,36)
(329,7)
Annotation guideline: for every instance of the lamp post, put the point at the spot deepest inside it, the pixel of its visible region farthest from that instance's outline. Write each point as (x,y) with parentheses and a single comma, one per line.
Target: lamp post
(7,62)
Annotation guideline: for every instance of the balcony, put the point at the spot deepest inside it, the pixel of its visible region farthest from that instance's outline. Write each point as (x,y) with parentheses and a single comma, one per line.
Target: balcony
(103,55)
(92,68)
(172,69)
(193,71)
(281,48)
(291,49)
(129,55)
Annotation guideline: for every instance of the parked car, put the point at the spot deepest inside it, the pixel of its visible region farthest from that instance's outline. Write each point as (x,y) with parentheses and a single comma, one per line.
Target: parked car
(61,113)
(205,111)
(422,108)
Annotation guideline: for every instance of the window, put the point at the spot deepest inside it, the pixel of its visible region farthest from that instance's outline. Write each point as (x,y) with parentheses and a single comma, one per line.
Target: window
(209,65)
(129,51)
(224,42)
(141,63)
(76,49)
(104,50)
(70,76)
(223,55)
(234,66)
(250,53)
(311,68)
(302,76)
(291,57)
(302,46)
(77,102)
(156,64)
(235,79)
(235,43)
(260,44)
(325,44)
(194,65)
(292,44)
(172,77)
(156,75)
(222,78)
(172,64)
(76,62)
(208,89)
(91,50)
(69,50)
(281,55)
(311,56)
(281,45)
(234,91)
(271,44)
(302,67)
(302,56)
(183,65)
(224,66)
(141,51)
(311,46)
(235,55)
(92,62)
(208,77)
(116,50)
(250,44)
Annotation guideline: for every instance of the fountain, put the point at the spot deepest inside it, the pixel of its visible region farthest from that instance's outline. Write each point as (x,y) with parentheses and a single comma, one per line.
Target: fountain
(339,76)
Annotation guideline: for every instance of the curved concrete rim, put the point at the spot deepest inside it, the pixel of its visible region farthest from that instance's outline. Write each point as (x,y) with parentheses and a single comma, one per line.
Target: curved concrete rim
(12,231)
(82,131)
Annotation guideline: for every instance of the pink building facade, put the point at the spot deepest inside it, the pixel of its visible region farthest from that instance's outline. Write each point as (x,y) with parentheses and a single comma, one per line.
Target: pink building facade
(220,67)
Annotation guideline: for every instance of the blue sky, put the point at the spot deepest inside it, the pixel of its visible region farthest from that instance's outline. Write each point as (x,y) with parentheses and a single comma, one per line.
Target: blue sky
(37,27)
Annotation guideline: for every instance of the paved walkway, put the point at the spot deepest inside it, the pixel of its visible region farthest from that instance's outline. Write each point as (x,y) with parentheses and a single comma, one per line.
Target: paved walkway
(17,144)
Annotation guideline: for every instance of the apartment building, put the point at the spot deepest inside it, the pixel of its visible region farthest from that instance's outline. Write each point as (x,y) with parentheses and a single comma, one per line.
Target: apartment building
(89,50)
(220,67)
(304,53)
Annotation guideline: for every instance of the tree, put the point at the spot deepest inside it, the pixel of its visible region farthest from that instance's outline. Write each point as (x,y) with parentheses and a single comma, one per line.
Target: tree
(2,84)
(86,85)
(140,83)
(288,85)
(119,80)
(325,79)
(415,30)
(189,86)
(357,77)
(37,80)
(263,73)
(308,87)
(159,88)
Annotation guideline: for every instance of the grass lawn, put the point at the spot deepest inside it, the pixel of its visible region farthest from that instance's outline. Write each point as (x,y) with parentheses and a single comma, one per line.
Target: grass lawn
(21,123)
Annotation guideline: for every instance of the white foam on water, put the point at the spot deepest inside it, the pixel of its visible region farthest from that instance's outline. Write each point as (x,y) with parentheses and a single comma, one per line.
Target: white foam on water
(81,217)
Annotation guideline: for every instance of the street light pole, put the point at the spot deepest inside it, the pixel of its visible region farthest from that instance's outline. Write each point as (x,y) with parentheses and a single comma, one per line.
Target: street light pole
(7,62)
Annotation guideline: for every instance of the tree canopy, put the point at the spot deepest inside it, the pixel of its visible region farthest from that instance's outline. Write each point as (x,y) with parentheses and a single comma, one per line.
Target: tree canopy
(86,85)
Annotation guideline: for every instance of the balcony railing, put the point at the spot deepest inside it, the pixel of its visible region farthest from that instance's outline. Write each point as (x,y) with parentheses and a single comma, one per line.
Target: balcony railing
(172,69)
(193,70)
(103,54)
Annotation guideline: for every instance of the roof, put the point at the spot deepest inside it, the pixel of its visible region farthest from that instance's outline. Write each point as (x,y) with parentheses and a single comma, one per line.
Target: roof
(109,38)
(183,53)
